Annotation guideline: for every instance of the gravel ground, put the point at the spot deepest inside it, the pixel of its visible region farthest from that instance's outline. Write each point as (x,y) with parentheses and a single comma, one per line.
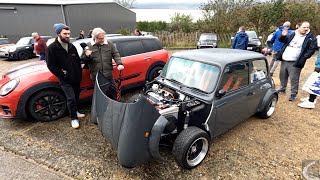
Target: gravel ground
(275,148)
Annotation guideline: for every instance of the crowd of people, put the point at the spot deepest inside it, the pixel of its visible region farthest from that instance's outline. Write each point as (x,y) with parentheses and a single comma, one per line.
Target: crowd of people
(291,48)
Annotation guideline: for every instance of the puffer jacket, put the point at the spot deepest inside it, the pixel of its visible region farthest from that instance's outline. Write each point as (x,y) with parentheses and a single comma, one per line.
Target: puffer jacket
(240,41)
(101,59)
(65,65)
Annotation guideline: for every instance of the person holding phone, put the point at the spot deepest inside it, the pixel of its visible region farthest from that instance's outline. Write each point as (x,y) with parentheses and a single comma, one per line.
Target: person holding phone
(99,55)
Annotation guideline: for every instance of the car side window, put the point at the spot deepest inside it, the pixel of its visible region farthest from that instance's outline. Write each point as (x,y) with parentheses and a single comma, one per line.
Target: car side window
(152,44)
(130,48)
(235,76)
(258,71)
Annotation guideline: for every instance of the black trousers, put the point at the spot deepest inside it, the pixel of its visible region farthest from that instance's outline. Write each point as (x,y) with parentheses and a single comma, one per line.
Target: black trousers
(72,92)
(312,97)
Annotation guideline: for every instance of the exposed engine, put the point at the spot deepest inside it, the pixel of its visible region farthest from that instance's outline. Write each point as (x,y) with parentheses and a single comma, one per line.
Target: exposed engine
(170,102)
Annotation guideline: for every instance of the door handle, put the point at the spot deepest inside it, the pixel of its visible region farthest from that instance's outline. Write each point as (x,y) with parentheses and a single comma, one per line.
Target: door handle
(251,93)
(147,58)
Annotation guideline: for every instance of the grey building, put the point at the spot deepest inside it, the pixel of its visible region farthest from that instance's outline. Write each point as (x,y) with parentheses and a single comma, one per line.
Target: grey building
(20,19)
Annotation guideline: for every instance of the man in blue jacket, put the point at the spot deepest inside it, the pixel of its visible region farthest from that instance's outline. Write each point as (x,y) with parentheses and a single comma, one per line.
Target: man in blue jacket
(241,39)
(298,47)
(277,45)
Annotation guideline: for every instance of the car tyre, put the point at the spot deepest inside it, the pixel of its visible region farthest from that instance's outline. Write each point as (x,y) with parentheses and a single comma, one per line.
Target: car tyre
(155,72)
(269,108)
(47,105)
(190,147)
(23,55)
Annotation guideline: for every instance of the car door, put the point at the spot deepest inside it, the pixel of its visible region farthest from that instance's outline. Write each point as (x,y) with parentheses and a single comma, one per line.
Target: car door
(135,61)
(232,107)
(258,84)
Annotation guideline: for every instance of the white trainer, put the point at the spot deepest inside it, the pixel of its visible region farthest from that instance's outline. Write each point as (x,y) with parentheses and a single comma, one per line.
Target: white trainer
(79,115)
(307,99)
(75,123)
(307,104)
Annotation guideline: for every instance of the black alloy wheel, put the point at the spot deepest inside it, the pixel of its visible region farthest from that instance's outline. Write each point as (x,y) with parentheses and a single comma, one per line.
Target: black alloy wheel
(23,55)
(155,72)
(47,105)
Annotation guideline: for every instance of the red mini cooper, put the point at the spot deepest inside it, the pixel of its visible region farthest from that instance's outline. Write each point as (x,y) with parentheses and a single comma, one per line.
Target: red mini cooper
(31,90)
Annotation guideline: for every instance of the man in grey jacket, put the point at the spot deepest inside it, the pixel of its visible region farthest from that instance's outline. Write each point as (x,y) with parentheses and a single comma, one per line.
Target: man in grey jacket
(99,55)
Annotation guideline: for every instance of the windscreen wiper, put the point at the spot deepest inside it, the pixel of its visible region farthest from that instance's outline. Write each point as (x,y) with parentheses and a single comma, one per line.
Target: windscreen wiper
(193,88)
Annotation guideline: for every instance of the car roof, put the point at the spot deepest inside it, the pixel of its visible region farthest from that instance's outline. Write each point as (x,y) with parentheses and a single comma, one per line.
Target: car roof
(218,56)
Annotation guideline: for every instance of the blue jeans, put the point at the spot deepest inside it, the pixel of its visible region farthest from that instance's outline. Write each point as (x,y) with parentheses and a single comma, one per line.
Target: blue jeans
(42,56)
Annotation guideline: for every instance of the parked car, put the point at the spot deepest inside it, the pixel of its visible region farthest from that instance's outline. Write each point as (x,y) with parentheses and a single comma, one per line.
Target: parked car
(254,41)
(199,95)
(31,90)
(22,50)
(5,42)
(208,40)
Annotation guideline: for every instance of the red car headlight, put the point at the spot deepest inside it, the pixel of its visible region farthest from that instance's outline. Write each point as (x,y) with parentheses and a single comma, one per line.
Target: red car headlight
(9,87)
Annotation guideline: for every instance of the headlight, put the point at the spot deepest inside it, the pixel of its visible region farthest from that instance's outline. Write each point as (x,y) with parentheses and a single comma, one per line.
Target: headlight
(198,43)
(12,49)
(258,43)
(8,87)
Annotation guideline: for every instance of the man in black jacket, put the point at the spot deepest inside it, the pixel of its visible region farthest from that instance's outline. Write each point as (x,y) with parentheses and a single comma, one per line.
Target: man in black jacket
(64,62)
(298,47)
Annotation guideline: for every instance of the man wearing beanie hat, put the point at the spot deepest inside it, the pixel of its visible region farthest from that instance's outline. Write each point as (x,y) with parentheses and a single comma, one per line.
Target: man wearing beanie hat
(64,62)
(99,57)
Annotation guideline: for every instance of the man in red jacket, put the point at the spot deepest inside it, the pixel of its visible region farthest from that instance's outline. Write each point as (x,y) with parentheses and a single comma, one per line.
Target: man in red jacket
(39,46)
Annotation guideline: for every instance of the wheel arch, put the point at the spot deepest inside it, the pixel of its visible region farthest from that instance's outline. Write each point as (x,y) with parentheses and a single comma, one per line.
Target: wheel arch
(265,99)
(30,92)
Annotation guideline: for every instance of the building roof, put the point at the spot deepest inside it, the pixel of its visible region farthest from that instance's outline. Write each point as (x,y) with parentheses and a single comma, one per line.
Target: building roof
(58,2)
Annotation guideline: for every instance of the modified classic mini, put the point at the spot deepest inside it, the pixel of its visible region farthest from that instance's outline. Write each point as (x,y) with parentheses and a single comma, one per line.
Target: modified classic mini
(199,95)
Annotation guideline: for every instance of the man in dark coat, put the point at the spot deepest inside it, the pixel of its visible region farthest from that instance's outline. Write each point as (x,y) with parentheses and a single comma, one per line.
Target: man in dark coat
(64,62)
(298,47)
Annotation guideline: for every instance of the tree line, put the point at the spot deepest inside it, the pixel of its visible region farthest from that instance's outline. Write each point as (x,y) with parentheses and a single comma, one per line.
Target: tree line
(226,16)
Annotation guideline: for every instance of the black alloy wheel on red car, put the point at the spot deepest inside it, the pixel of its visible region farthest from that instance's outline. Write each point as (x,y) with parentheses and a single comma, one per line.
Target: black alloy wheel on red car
(47,105)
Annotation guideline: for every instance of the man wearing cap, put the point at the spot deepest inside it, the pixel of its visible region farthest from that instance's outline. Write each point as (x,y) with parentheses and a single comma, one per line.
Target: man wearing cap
(64,62)
(39,46)
(99,57)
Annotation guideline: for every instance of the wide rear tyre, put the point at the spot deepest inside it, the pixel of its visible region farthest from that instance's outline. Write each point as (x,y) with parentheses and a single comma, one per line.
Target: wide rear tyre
(190,147)
(269,108)
(47,105)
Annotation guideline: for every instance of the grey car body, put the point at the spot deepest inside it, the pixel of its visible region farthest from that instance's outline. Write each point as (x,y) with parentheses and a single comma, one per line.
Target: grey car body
(212,91)
(208,40)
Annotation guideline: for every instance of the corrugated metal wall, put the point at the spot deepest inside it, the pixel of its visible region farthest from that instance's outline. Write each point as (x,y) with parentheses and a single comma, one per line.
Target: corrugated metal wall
(109,16)
(26,18)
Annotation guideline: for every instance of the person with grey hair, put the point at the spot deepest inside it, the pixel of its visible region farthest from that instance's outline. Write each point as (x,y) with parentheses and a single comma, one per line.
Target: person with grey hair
(277,45)
(39,46)
(99,55)
(298,47)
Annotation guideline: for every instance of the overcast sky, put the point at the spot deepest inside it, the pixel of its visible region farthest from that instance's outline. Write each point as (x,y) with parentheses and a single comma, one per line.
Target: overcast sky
(168,4)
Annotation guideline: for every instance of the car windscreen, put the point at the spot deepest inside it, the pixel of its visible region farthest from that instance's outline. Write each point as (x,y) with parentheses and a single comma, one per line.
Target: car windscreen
(204,37)
(190,73)
(24,41)
(4,41)
(252,34)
